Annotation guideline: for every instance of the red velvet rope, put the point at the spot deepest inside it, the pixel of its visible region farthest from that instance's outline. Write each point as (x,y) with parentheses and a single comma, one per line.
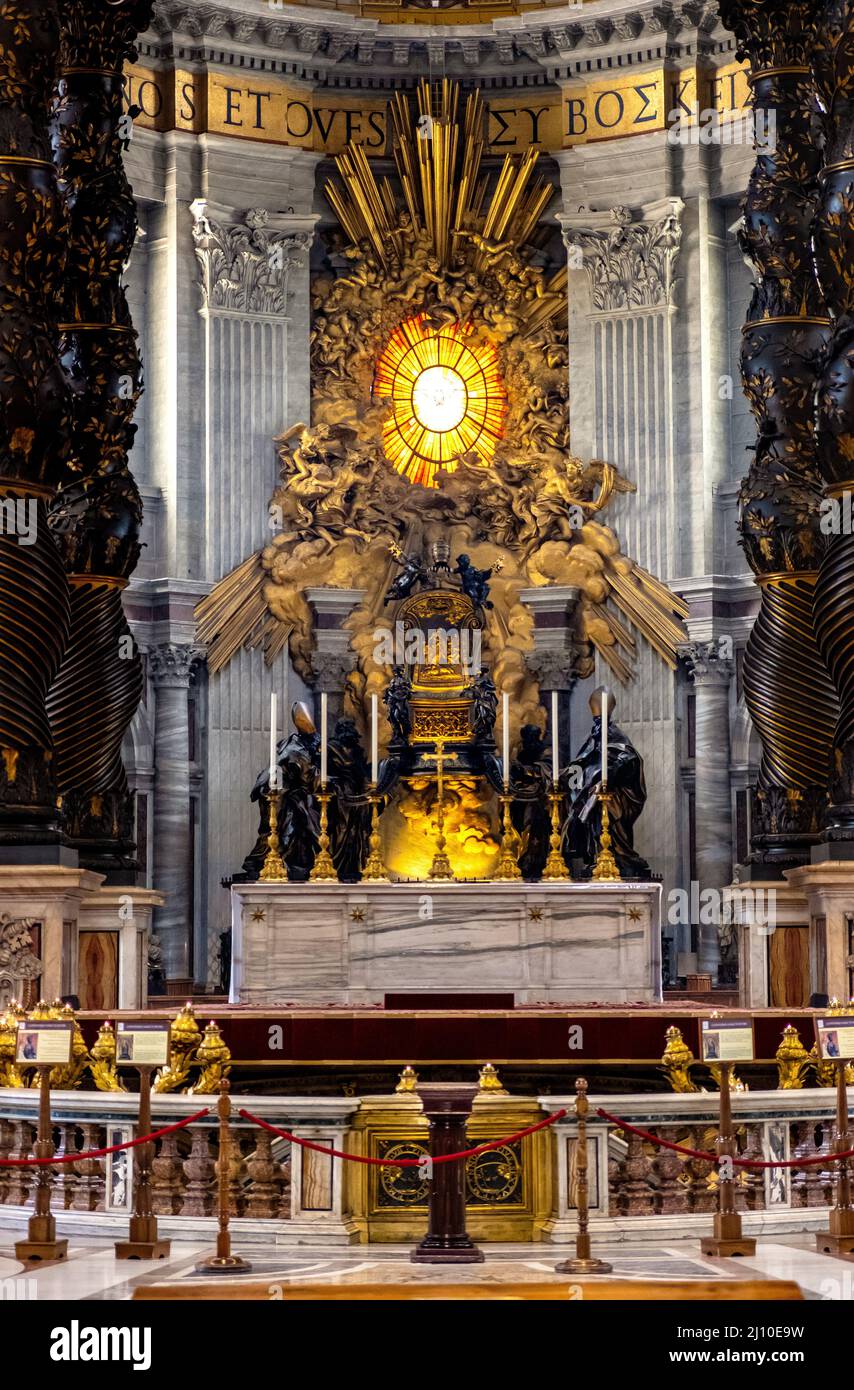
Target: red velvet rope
(101,1153)
(713,1158)
(401,1162)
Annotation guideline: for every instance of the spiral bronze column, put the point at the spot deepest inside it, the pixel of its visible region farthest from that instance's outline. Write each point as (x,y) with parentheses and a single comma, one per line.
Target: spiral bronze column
(97,513)
(833,68)
(787,688)
(34,428)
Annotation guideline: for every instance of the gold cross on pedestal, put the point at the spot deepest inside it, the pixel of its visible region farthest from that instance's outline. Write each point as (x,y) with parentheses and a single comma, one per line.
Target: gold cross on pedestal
(441,866)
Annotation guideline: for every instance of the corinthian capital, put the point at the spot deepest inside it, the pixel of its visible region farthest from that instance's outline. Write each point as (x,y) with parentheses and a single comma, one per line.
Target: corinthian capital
(629,261)
(246,265)
(710,663)
(172,663)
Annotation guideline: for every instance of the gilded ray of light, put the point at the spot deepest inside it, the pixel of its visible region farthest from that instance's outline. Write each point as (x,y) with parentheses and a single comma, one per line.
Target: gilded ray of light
(409,829)
(447,398)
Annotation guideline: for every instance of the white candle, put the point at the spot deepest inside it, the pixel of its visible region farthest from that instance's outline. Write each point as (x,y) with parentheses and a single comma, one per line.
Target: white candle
(273,768)
(505,737)
(324,712)
(606,700)
(555,758)
(375,755)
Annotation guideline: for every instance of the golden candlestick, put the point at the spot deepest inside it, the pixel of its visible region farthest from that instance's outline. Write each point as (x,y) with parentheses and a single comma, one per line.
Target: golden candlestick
(274,870)
(374,870)
(323,869)
(507,867)
(555,864)
(605,869)
(441,865)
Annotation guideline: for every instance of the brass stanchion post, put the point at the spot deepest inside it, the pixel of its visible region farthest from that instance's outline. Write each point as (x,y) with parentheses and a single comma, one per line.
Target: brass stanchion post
(223,1262)
(143,1242)
(583,1263)
(727,1239)
(41,1242)
(839,1239)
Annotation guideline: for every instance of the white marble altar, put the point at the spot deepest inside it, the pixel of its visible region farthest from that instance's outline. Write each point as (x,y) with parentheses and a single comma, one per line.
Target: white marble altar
(352,943)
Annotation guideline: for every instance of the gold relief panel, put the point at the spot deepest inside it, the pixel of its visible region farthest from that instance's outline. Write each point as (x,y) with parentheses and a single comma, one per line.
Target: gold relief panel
(493,1179)
(510,1190)
(448,721)
(454,609)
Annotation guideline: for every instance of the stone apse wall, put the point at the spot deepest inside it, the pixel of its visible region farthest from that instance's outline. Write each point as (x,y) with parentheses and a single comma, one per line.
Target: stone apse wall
(241,108)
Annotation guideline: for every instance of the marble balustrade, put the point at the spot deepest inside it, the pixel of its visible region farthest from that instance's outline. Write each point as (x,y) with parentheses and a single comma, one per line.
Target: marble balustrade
(292,1196)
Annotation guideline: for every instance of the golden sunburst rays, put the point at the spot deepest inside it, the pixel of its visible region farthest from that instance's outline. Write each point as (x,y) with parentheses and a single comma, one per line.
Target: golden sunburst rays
(649,606)
(445,191)
(235,615)
(447,398)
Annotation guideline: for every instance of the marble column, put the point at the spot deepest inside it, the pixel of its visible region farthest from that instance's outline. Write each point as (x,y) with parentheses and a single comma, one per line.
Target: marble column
(333,659)
(553,660)
(712,667)
(171,667)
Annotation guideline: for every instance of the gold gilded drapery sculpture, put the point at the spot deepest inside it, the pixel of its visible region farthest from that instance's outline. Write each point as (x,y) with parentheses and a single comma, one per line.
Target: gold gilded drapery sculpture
(469,254)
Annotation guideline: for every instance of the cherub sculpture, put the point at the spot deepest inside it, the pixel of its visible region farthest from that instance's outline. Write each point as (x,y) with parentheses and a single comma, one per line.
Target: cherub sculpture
(475,582)
(414,573)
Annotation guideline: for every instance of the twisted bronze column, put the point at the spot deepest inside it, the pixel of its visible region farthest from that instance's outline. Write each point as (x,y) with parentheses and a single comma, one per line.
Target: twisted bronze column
(787,689)
(833,68)
(97,514)
(34,424)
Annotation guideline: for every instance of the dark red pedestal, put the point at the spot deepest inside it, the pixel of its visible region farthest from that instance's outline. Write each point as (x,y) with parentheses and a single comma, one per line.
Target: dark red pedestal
(447,1241)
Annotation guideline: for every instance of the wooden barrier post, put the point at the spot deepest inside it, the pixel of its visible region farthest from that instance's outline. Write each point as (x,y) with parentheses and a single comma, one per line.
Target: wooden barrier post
(223,1262)
(839,1238)
(727,1239)
(41,1242)
(447,1106)
(583,1262)
(143,1242)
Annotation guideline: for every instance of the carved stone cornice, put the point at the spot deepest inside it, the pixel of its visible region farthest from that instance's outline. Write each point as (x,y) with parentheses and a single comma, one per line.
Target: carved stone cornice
(629,262)
(553,38)
(172,663)
(246,266)
(710,663)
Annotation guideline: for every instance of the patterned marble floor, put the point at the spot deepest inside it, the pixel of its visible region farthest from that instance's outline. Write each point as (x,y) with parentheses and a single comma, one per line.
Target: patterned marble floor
(92,1273)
